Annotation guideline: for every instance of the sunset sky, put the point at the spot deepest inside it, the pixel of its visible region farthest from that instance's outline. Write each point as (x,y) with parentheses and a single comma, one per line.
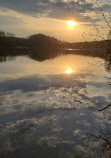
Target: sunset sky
(50,17)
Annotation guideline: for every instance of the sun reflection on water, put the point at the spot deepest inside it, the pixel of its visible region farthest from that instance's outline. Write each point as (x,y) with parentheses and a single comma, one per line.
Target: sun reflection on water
(69,71)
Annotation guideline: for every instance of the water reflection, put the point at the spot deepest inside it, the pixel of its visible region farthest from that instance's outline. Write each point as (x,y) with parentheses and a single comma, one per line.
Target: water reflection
(6,58)
(69,71)
(53,119)
(45,112)
(42,54)
(108,63)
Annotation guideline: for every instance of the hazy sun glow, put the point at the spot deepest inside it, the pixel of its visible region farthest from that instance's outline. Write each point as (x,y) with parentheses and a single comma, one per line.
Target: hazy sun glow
(71,23)
(69,71)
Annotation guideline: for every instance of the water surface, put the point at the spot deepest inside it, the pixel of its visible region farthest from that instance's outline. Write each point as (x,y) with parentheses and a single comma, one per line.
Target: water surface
(47,112)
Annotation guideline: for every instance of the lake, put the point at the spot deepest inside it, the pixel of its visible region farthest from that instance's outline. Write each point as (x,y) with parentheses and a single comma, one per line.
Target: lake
(49,109)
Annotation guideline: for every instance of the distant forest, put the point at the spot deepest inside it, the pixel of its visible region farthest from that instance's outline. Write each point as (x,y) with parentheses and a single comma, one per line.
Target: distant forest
(41,47)
(40,40)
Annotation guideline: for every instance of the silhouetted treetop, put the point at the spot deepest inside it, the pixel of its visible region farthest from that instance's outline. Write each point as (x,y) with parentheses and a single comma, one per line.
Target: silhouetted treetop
(41,39)
(6,34)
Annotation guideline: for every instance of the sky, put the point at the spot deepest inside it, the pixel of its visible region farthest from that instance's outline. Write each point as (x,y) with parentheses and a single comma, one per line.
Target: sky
(26,17)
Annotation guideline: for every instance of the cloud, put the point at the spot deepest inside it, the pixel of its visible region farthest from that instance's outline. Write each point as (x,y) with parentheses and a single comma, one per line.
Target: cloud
(61,9)
(53,93)
(5,20)
(52,117)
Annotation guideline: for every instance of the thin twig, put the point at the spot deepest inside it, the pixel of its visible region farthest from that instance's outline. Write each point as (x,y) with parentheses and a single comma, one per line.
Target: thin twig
(104,107)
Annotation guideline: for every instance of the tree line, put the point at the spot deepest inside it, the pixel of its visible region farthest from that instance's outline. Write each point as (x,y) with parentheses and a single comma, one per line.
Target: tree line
(37,40)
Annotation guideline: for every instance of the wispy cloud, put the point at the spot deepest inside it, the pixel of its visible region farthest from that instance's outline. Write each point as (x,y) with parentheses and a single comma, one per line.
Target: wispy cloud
(55,9)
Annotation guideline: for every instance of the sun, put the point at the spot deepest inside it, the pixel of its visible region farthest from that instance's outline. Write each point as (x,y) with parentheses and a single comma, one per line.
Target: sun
(69,71)
(71,23)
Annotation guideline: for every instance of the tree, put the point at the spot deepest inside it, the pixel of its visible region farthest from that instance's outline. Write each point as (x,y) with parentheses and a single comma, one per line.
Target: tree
(2,33)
